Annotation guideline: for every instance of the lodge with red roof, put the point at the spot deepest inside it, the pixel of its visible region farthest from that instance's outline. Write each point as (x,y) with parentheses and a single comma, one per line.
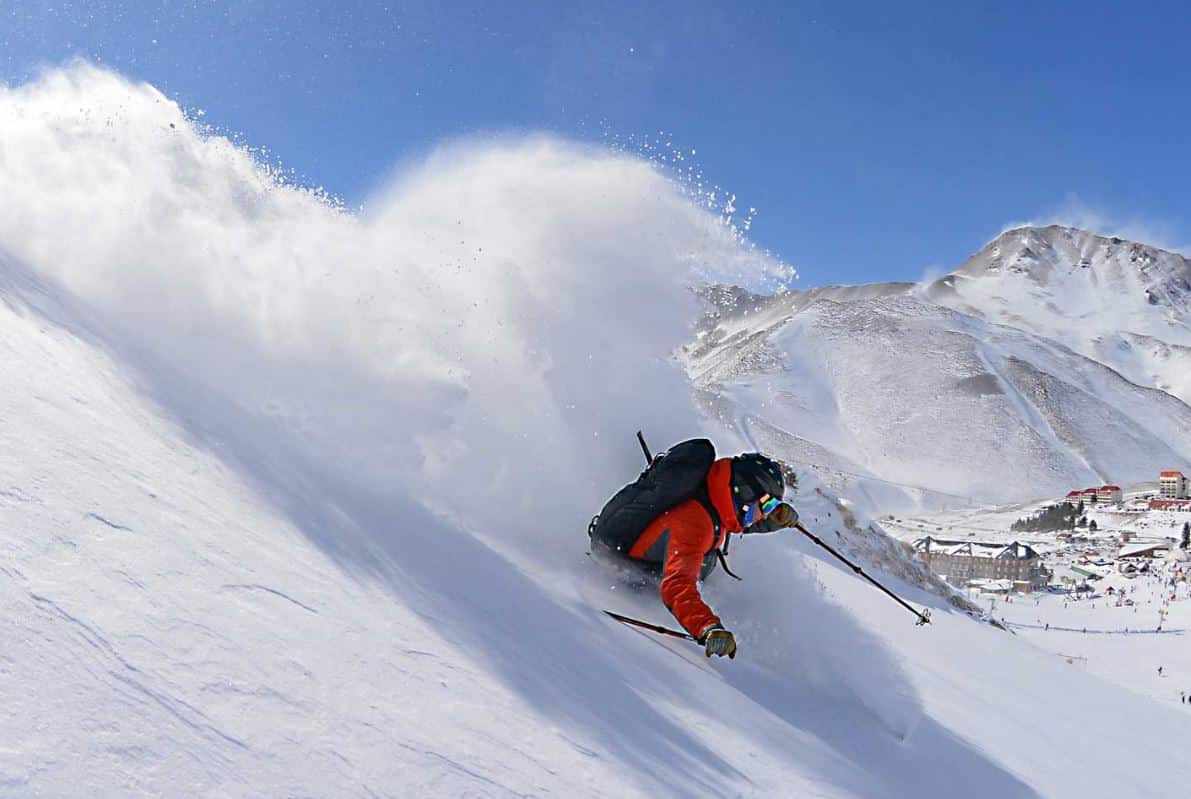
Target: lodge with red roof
(1174,493)
(1105,493)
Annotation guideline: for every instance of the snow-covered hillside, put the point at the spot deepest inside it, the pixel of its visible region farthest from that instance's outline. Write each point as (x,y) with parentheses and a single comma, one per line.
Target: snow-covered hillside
(1052,359)
(293,502)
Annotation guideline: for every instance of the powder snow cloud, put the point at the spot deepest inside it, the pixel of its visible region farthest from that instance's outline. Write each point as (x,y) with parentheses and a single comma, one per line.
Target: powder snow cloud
(495,324)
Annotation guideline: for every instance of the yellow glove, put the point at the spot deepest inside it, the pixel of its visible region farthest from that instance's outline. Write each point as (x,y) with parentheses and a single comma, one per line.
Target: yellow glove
(783,516)
(718,641)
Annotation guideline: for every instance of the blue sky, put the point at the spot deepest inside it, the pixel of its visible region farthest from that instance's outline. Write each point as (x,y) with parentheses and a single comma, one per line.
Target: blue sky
(876,140)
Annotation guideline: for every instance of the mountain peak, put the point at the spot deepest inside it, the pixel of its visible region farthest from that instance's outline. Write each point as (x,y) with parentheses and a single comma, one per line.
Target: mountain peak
(1044,252)
(1121,303)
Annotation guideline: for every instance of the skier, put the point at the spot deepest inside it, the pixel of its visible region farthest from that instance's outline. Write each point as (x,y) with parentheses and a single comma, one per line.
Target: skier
(682,544)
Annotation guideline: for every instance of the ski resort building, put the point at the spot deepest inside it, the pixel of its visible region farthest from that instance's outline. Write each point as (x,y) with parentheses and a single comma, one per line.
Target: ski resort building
(1104,493)
(1172,485)
(960,562)
(1170,504)
(1089,571)
(1109,493)
(1149,551)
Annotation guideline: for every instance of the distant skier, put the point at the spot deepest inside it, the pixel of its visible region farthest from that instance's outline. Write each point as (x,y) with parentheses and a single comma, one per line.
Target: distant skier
(682,542)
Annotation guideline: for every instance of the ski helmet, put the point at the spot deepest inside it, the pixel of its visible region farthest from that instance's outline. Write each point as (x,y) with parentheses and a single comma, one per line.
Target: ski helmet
(753,476)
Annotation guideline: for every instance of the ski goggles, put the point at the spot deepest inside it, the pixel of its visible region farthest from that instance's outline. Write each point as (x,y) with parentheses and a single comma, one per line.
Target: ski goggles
(759,509)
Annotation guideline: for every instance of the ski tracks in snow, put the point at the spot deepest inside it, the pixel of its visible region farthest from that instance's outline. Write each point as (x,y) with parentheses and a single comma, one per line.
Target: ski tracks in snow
(124,672)
(266,589)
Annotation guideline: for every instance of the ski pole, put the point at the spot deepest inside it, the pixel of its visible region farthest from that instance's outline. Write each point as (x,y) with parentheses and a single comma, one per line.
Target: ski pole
(652,627)
(644,448)
(923,615)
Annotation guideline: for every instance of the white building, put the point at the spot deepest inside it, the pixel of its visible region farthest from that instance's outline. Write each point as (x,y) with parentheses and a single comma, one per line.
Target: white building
(1172,485)
(1109,493)
(1149,550)
(963,561)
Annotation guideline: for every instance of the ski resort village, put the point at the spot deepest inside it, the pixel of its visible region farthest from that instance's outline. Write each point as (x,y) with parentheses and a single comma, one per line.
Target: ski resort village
(1088,535)
(1101,577)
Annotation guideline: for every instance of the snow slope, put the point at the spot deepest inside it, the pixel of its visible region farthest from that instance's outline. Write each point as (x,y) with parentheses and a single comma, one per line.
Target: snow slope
(1020,375)
(1098,631)
(293,502)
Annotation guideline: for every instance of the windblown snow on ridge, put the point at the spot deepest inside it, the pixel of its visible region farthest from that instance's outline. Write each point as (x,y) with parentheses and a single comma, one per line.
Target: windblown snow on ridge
(504,305)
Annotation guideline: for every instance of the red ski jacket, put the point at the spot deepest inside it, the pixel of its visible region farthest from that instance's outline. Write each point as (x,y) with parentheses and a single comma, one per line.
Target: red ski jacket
(684,540)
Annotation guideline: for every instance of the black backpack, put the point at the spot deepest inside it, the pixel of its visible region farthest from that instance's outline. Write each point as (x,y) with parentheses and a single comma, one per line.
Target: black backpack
(671,478)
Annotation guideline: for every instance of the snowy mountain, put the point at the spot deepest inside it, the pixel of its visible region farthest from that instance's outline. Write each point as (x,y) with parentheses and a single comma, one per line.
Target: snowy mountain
(1124,304)
(292,500)
(1053,358)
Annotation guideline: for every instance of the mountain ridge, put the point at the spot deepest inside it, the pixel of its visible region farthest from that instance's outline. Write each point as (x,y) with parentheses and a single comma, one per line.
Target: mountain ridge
(990,383)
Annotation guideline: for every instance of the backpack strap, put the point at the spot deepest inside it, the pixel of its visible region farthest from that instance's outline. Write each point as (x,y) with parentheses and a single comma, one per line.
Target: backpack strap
(704,499)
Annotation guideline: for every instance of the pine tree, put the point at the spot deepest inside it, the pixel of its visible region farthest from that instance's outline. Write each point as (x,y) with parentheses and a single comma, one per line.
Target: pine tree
(1049,519)
(1186,536)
